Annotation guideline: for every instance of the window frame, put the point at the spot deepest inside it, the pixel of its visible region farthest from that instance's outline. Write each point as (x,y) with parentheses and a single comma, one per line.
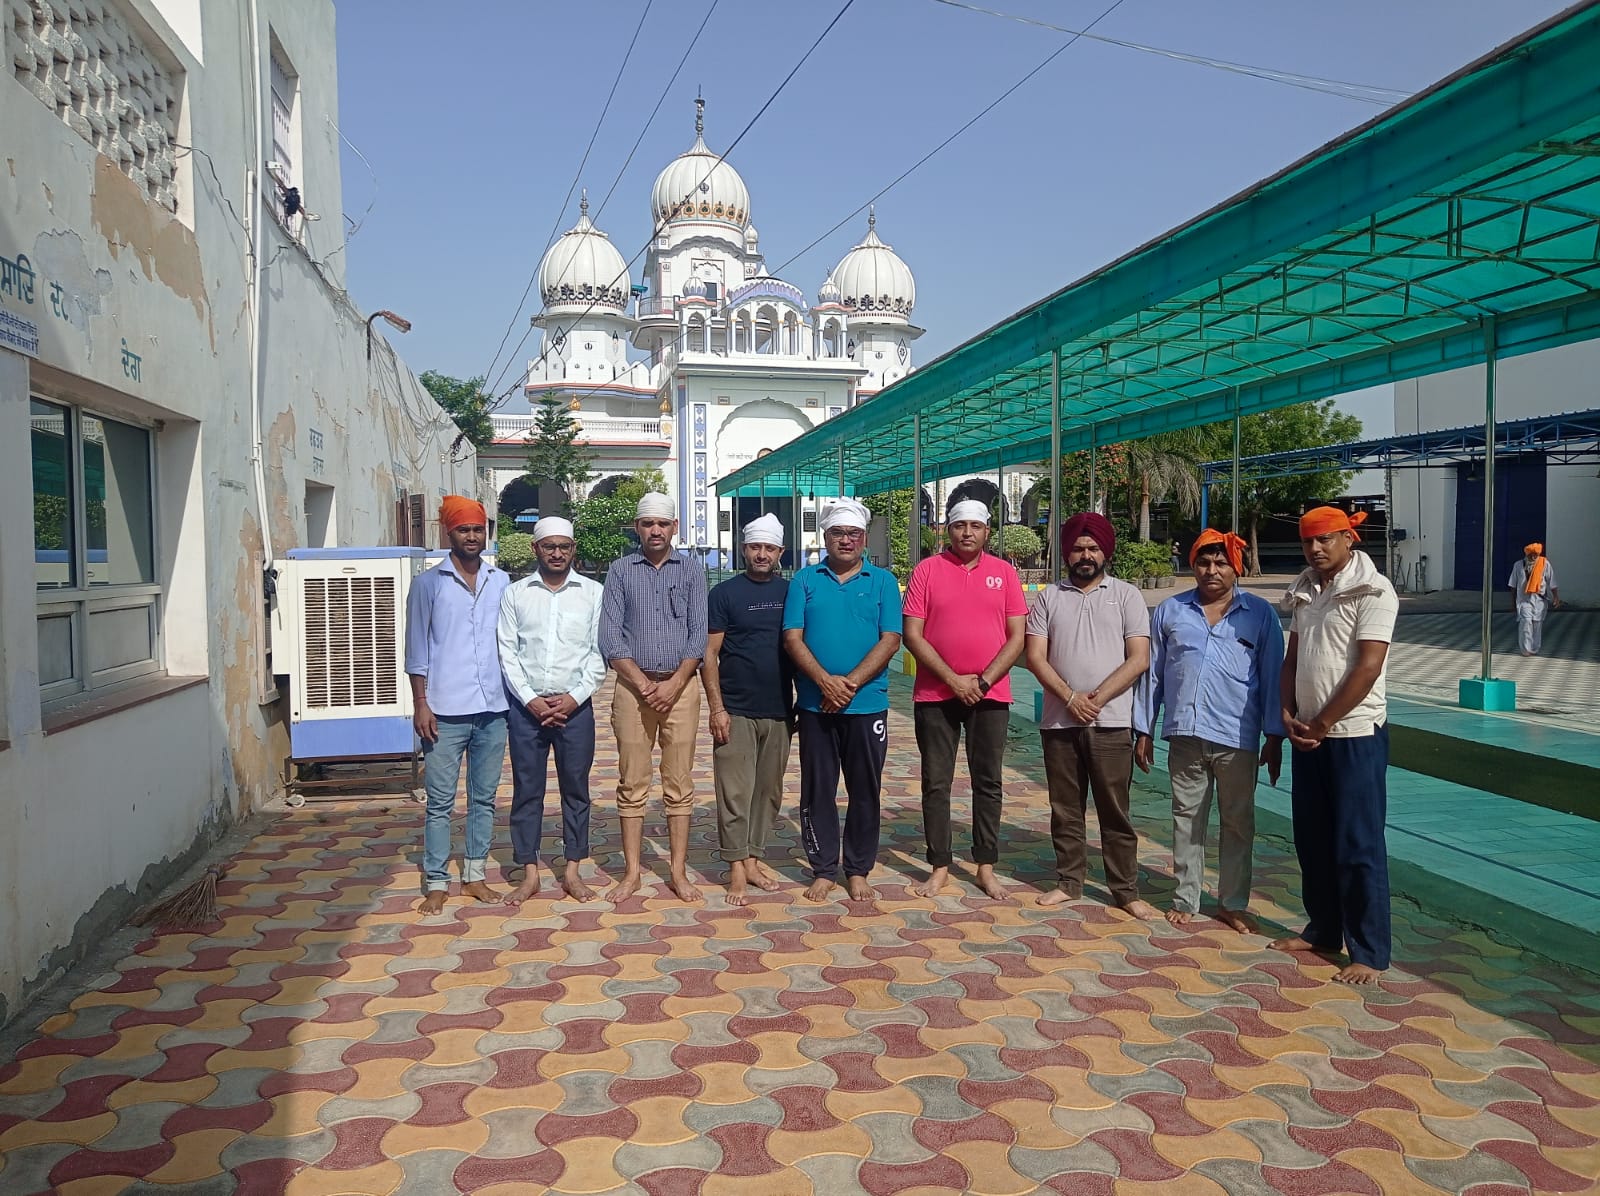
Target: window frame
(82,600)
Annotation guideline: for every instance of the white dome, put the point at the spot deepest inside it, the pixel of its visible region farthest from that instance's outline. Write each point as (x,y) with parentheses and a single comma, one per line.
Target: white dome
(829,291)
(583,267)
(696,186)
(872,279)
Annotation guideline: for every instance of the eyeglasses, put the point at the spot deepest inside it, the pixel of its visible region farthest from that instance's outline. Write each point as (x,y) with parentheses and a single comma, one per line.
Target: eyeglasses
(558,546)
(846,533)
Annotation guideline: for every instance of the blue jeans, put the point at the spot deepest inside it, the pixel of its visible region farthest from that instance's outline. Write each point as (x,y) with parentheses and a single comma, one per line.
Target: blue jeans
(482,739)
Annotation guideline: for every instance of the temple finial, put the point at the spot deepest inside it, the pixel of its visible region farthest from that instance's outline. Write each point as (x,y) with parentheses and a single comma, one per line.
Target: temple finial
(699,114)
(872,215)
(583,202)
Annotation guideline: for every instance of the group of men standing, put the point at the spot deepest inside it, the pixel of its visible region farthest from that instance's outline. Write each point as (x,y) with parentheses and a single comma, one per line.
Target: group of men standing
(492,661)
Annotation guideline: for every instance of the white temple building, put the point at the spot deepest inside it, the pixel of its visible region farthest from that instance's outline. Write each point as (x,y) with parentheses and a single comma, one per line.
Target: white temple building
(709,361)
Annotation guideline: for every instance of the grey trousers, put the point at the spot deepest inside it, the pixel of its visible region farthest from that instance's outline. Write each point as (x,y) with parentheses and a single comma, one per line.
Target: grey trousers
(748,771)
(1530,626)
(1198,769)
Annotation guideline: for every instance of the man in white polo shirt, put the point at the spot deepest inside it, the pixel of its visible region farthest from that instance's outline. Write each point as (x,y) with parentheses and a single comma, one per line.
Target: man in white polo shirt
(964,622)
(1088,642)
(1336,712)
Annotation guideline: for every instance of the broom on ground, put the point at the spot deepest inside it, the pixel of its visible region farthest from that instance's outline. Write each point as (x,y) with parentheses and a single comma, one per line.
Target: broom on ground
(188,909)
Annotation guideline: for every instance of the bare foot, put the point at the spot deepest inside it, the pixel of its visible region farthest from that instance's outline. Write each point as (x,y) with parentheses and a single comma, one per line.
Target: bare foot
(1053,898)
(1357,973)
(683,887)
(1179,917)
(1294,943)
(761,876)
(933,885)
(526,888)
(859,889)
(820,888)
(624,888)
(479,891)
(736,882)
(573,883)
(990,884)
(1142,909)
(433,903)
(1238,919)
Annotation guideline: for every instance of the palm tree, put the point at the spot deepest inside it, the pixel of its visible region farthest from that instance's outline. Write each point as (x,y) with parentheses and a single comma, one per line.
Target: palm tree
(1164,467)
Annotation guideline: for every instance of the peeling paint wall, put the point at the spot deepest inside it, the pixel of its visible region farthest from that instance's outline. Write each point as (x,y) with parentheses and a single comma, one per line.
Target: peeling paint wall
(144,314)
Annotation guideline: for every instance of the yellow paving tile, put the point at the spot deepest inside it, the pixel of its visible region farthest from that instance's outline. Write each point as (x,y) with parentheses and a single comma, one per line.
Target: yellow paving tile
(779,1183)
(490,979)
(299,990)
(556,1064)
(379,1079)
(1071,1087)
(136,1042)
(280,1058)
(636,967)
(847,1106)
(1246,1107)
(1030,1121)
(684,1006)
(1192,1184)
(589,1165)
(221,1015)
(293,1114)
(452,1047)
(402,1139)
(198,1155)
(1135,1027)
(897,1070)
(620,1033)
(546,1096)
(1407,1129)
(81,1133)
(1105,1055)
(38,1074)
(1269,1071)
(1420,1091)
(585,989)
(779,1052)
(724,1084)
(431,1002)
(789,1147)
(1185,1150)
(661,1121)
(184,1092)
(379,1180)
(94,1185)
(989,1169)
(364,969)
(1388,1170)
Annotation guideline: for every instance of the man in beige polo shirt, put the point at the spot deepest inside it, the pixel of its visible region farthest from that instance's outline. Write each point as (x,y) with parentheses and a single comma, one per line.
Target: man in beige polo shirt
(1088,642)
(1336,712)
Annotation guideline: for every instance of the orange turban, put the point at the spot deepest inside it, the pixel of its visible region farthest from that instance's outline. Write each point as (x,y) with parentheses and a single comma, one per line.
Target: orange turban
(1534,549)
(1319,521)
(1232,547)
(454,511)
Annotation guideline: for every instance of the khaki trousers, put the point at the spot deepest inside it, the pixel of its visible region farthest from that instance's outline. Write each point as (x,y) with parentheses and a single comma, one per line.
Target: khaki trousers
(749,772)
(638,730)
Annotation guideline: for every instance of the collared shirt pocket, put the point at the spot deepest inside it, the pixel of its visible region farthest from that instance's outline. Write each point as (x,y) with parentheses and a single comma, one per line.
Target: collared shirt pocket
(1234,656)
(571,624)
(677,601)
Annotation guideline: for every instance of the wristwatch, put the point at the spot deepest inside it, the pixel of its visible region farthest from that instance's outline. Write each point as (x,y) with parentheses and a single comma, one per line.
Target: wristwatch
(984,686)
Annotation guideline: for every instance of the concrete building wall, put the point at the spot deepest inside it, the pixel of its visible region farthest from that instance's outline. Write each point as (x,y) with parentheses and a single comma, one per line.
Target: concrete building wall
(141,301)
(1538,384)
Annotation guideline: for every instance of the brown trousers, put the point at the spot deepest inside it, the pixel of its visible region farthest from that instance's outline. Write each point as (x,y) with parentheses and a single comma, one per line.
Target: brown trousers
(639,729)
(1078,761)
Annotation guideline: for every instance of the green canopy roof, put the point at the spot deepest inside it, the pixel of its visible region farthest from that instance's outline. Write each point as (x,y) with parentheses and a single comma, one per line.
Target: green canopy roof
(1465,217)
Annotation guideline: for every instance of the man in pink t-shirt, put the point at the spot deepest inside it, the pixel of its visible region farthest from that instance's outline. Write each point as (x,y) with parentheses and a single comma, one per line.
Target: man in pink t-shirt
(965,621)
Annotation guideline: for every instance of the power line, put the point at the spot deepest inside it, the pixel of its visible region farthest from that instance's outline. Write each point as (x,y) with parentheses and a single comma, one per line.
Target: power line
(577,175)
(1364,92)
(726,306)
(687,50)
(661,223)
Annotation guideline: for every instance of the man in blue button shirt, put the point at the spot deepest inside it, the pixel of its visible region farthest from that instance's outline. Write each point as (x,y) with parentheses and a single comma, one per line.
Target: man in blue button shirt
(841,625)
(458,697)
(1216,653)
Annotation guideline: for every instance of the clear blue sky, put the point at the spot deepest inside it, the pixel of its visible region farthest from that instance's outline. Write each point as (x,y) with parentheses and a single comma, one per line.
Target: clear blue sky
(474,121)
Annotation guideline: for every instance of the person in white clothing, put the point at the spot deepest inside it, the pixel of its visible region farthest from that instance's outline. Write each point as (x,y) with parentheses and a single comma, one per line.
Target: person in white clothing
(549,637)
(1534,594)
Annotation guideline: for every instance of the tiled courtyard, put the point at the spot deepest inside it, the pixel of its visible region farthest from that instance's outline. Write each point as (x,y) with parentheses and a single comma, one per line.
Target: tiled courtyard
(323,1039)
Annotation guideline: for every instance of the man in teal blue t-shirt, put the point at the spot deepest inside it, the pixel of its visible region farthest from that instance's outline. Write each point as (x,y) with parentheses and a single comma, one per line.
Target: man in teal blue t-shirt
(841,624)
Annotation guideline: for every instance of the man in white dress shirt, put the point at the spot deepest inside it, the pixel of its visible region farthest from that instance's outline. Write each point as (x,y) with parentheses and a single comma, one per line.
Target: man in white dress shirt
(549,637)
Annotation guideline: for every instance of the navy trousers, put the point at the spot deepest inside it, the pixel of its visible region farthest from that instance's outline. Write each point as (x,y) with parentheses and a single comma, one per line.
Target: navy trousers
(531,746)
(1340,806)
(855,744)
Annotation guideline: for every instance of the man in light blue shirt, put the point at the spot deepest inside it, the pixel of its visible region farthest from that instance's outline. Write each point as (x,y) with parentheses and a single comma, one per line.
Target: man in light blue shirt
(550,651)
(458,697)
(1216,653)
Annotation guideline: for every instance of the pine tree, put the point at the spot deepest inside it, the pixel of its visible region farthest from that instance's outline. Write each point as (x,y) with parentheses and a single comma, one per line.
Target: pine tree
(554,455)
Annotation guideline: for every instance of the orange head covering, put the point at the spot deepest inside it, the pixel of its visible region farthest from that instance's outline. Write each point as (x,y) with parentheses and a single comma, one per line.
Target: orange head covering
(1319,521)
(1534,549)
(1535,581)
(454,511)
(1232,547)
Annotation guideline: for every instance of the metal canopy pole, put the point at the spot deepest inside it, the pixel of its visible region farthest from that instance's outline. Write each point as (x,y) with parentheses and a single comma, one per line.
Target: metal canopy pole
(798,551)
(763,484)
(1000,507)
(1238,436)
(914,520)
(1488,496)
(1094,468)
(1388,517)
(1053,549)
(841,471)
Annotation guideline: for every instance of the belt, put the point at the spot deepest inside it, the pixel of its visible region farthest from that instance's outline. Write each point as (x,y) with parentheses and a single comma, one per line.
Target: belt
(658,676)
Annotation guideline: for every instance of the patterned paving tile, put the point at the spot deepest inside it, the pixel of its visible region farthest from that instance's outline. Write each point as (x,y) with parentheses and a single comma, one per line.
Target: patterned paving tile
(321,1038)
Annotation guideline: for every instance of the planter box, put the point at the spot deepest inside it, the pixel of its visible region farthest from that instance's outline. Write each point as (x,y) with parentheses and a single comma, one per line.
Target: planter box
(1166,583)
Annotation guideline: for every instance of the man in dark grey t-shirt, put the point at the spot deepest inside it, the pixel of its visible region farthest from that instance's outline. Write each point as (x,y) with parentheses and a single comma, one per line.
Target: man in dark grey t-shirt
(749,691)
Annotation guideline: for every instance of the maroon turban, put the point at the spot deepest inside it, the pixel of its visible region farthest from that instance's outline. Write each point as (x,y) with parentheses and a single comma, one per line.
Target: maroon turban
(1088,523)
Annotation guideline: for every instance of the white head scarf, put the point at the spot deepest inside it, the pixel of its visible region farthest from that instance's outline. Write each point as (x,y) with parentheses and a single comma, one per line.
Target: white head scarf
(656,506)
(768,529)
(552,525)
(968,508)
(845,512)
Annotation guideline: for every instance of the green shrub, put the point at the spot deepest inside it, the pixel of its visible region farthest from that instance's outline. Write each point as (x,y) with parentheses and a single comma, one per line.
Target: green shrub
(1019,543)
(1142,559)
(515,551)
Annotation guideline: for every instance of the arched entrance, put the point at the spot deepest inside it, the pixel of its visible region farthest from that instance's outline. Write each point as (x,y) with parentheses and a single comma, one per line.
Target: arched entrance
(981,489)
